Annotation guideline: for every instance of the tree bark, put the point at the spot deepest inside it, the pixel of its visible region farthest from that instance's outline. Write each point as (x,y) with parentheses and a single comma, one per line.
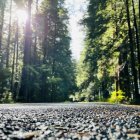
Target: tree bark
(139,13)
(25,88)
(9,36)
(35,44)
(137,37)
(1,25)
(13,64)
(17,51)
(27,45)
(14,57)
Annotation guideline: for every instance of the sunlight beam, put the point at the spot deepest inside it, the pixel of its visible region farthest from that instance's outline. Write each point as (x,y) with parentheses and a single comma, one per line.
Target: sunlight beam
(22,16)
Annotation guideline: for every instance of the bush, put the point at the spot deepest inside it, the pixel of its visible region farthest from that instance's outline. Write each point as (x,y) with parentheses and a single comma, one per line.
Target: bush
(7,97)
(117,97)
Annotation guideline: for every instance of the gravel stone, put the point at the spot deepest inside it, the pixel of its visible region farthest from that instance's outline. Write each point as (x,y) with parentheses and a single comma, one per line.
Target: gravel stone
(76,121)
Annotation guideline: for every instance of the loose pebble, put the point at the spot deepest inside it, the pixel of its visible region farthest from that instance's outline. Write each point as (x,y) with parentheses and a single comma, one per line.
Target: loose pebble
(89,121)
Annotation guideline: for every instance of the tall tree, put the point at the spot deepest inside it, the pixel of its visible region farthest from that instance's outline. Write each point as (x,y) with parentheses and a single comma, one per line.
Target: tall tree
(2,9)
(41,67)
(25,88)
(36,37)
(137,36)
(133,61)
(106,57)
(9,36)
(14,73)
(57,54)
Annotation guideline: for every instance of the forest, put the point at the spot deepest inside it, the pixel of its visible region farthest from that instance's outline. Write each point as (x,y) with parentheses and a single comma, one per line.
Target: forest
(36,63)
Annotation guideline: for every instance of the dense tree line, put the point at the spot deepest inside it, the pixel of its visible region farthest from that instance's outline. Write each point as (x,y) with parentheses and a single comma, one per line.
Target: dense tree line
(35,55)
(110,60)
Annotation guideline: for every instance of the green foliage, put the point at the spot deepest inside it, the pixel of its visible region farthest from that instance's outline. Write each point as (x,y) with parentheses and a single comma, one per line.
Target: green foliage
(48,75)
(51,79)
(4,85)
(117,97)
(57,70)
(4,74)
(105,60)
(7,97)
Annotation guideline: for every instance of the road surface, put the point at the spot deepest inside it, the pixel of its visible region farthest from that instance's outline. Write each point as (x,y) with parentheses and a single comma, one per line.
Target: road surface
(69,121)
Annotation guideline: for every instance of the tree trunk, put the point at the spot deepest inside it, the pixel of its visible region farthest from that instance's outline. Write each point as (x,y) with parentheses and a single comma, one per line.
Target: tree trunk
(139,13)
(14,58)
(133,62)
(17,52)
(1,25)
(35,44)
(27,45)
(13,65)
(9,36)
(137,37)
(25,80)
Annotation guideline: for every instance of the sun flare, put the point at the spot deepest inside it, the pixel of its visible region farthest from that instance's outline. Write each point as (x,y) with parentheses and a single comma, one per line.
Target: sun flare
(22,16)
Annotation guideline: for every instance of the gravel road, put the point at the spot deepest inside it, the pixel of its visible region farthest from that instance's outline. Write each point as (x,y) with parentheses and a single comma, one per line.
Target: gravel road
(69,121)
